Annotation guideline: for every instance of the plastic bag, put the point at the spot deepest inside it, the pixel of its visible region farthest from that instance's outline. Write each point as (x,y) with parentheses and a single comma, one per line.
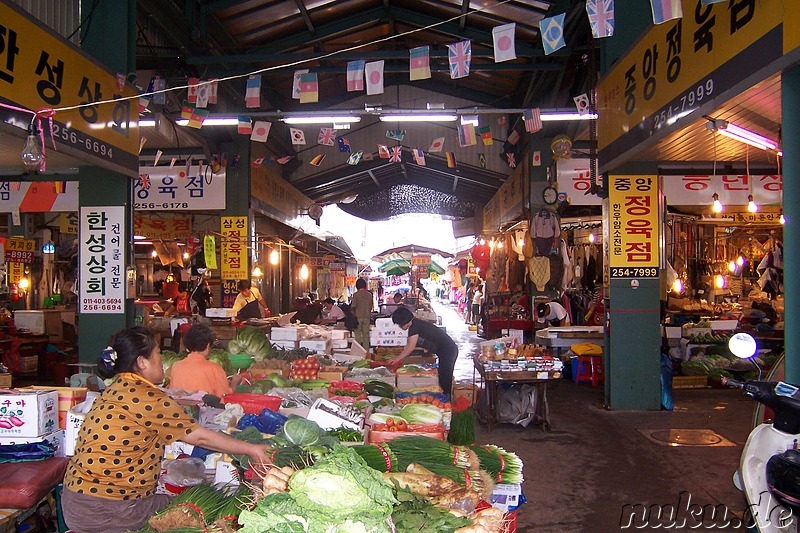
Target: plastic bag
(185,472)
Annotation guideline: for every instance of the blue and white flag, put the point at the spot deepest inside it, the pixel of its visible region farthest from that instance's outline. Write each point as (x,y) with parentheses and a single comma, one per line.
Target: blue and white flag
(552,30)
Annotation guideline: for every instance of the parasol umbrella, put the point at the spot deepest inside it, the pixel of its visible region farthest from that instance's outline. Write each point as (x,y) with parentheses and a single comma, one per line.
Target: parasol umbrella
(398,267)
(408,251)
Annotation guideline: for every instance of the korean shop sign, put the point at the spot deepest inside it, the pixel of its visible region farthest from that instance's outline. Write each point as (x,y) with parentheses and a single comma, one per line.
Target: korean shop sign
(38,196)
(233,248)
(633,247)
(102,256)
(175,189)
(19,250)
(38,69)
(682,65)
(732,189)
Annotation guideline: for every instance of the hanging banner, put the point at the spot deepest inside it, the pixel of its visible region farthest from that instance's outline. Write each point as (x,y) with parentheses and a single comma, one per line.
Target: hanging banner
(233,255)
(210,252)
(683,65)
(574,180)
(19,250)
(732,189)
(175,189)
(40,70)
(634,226)
(68,223)
(102,256)
(38,196)
(162,226)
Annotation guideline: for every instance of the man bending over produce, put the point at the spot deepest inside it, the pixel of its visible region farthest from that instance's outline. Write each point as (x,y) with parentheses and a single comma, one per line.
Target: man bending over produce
(428,336)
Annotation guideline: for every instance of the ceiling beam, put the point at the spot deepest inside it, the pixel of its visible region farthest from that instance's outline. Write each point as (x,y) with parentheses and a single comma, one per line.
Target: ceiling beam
(304,13)
(462,22)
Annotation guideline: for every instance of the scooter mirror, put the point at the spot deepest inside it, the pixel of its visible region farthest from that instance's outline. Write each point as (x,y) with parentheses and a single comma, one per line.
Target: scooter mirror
(742,345)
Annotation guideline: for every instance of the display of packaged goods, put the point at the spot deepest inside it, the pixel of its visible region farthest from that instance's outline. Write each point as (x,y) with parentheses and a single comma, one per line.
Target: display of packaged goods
(287,333)
(28,412)
(68,397)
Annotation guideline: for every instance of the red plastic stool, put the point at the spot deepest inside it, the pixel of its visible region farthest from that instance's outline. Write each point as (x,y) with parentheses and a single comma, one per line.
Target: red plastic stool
(590,369)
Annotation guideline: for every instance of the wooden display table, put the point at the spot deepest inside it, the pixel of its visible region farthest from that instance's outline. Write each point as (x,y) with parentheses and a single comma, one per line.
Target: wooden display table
(491,380)
(562,338)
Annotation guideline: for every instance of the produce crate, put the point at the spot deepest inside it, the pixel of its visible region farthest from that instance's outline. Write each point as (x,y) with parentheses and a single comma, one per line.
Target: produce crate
(689,382)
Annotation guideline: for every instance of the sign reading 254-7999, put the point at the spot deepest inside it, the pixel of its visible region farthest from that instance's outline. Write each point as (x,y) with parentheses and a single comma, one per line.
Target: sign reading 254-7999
(39,70)
(633,247)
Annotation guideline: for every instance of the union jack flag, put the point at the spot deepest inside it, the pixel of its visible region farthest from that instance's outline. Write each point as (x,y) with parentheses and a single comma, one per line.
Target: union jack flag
(144,181)
(601,17)
(327,136)
(460,56)
(512,159)
(395,154)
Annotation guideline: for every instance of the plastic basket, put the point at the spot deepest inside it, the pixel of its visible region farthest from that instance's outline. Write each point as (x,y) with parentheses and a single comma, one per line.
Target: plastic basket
(254,403)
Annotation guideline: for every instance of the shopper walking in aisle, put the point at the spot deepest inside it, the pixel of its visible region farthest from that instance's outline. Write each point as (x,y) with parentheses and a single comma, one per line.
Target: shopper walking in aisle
(361,307)
(111,480)
(477,300)
(433,339)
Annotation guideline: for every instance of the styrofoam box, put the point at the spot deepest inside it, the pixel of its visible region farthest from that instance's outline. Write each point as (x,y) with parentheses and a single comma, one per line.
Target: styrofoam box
(75,417)
(673,332)
(286,345)
(318,345)
(340,334)
(56,438)
(413,382)
(724,324)
(35,412)
(220,312)
(395,332)
(287,334)
(387,341)
(30,320)
(340,344)
(384,323)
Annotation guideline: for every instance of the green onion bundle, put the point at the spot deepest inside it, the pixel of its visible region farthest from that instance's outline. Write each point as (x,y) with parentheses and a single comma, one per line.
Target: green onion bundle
(462,428)
(195,507)
(240,500)
(505,467)
(378,457)
(413,449)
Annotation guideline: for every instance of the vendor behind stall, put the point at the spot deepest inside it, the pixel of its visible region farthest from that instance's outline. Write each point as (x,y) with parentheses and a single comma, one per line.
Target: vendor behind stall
(552,314)
(196,372)
(331,312)
(248,302)
(430,337)
(111,480)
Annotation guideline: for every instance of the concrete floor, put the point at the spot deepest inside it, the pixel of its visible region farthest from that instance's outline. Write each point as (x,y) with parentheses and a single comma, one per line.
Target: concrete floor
(594,462)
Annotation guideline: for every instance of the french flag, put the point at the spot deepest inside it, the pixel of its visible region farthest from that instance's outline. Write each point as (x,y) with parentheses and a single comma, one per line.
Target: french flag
(664,10)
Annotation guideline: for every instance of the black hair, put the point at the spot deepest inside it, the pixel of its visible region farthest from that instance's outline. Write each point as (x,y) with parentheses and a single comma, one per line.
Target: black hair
(542,310)
(361,283)
(402,316)
(125,349)
(183,286)
(244,284)
(398,293)
(328,301)
(198,337)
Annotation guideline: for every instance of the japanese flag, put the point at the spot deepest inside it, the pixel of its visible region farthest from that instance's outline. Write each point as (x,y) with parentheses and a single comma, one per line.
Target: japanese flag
(503,37)
(260,131)
(374,72)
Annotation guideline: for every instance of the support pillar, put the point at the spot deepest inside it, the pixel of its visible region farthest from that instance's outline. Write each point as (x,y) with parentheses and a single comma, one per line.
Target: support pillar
(791,230)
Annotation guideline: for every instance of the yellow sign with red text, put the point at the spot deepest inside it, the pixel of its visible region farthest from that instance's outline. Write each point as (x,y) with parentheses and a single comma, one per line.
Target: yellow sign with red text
(633,227)
(233,255)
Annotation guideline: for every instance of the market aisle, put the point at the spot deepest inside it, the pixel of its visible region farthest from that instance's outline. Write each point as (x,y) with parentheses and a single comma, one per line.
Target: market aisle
(466,340)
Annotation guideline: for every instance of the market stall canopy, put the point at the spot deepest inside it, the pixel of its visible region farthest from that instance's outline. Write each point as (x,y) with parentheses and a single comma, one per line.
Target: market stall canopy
(408,251)
(398,267)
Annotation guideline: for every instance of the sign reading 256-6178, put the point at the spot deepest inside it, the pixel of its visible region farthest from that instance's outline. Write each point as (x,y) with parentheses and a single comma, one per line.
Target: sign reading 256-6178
(633,247)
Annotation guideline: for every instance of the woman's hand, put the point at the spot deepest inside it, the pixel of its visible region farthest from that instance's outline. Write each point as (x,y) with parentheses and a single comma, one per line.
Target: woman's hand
(259,454)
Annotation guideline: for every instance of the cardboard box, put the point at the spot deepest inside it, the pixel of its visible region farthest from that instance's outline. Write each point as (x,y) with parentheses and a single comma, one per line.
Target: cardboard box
(406,382)
(384,323)
(466,390)
(75,417)
(56,438)
(339,334)
(29,364)
(287,333)
(317,345)
(506,496)
(340,344)
(5,381)
(387,341)
(28,413)
(68,397)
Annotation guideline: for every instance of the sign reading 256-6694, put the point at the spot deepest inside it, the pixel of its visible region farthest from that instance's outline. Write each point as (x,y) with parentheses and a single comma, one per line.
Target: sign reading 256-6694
(633,247)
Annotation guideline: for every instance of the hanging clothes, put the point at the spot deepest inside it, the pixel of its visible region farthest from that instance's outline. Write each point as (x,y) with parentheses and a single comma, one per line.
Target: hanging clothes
(539,272)
(545,230)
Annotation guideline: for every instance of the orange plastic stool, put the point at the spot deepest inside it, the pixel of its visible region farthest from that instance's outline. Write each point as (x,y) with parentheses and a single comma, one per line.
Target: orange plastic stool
(590,369)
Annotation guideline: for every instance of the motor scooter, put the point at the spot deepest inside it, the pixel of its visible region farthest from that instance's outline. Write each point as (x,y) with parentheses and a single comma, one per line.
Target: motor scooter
(769,469)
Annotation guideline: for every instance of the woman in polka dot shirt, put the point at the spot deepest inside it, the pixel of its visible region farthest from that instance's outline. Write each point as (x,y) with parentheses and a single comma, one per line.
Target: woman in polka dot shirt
(111,480)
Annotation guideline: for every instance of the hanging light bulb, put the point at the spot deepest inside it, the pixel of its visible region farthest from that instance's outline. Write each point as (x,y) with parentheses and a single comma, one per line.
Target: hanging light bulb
(677,286)
(591,237)
(520,243)
(257,272)
(274,257)
(751,205)
(23,284)
(186,255)
(482,241)
(717,206)
(740,260)
(732,266)
(782,219)
(500,244)
(32,157)
(491,244)
(153,254)
(719,281)
(304,272)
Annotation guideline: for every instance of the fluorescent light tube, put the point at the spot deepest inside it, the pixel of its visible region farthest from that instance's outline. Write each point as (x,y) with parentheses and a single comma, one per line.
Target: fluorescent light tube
(221,121)
(469,119)
(147,123)
(419,118)
(554,117)
(321,119)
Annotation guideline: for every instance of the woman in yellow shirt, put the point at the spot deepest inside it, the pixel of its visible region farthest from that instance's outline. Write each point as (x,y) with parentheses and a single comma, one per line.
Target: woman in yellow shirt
(111,480)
